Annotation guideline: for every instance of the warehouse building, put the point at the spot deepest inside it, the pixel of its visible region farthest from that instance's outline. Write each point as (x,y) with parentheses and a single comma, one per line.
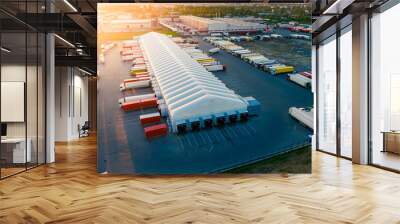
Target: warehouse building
(191,97)
(206,25)
(128,25)
(201,24)
(238,25)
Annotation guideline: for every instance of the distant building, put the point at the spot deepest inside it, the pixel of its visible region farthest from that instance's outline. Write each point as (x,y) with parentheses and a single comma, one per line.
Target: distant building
(201,24)
(230,25)
(253,19)
(129,25)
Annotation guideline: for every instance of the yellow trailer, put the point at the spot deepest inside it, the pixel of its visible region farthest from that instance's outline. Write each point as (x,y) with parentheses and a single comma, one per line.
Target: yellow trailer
(136,71)
(282,69)
(205,60)
(138,74)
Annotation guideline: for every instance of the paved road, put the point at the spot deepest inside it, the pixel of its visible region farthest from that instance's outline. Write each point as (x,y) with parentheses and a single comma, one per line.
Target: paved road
(122,147)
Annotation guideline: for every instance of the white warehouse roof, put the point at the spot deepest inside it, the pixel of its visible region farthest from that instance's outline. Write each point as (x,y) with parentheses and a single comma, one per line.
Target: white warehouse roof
(200,19)
(190,92)
(239,22)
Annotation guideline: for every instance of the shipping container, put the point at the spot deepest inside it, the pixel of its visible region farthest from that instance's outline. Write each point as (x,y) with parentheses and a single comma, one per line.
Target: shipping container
(134,85)
(136,79)
(281,69)
(265,37)
(200,57)
(130,43)
(215,34)
(267,67)
(307,74)
(214,68)
(137,62)
(276,36)
(304,115)
(210,63)
(262,63)
(255,59)
(205,60)
(235,39)
(142,76)
(233,48)
(244,56)
(240,52)
(300,80)
(130,52)
(155,131)
(135,98)
(213,50)
(138,67)
(127,58)
(137,56)
(150,118)
(139,104)
(137,70)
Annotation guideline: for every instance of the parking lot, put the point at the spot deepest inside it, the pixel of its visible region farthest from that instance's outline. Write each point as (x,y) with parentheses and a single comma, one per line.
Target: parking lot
(123,147)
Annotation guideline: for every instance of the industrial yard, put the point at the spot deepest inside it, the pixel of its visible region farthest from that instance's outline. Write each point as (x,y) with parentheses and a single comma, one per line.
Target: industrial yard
(165,106)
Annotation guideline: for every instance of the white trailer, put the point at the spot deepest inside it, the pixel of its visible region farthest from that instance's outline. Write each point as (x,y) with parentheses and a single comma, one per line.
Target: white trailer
(255,59)
(244,56)
(137,56)
(134,85)
(249,58)
(233,48)
(300,36)
(138,61)
(242,52)
(214,68)
(214,50)
(265,37)
(128,57)
(200,56)
(134,98)
(129,43)
(261,63)
(300,80)
(304,115)
(216,34)
(210,63)
(276,36)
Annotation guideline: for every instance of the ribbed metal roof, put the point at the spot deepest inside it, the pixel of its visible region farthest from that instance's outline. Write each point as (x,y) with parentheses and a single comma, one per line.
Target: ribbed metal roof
(189,90)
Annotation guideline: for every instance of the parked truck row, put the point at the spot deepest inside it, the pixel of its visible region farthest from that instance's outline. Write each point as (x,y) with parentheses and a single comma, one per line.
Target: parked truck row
(258,60)
(139,77)
(190,46)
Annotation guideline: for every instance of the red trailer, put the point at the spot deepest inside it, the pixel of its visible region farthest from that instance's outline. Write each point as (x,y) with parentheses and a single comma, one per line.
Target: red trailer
(139,104)
(306,74)
(127,52)
(155,130)
(139,63)
(149,102)
(136,79)
(141,74)
(150,118)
